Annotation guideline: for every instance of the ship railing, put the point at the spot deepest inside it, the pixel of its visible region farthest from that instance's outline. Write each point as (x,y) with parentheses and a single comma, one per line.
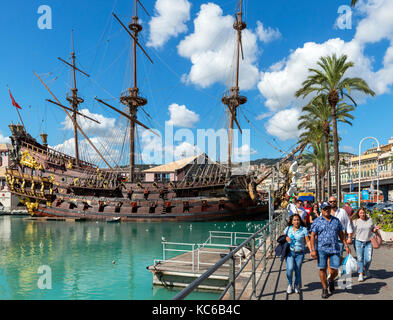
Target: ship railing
(50,151)
(258,255)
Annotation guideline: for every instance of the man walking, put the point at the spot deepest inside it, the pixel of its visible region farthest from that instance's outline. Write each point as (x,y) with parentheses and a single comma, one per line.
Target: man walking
(327,229)
(292,206)
(342,215)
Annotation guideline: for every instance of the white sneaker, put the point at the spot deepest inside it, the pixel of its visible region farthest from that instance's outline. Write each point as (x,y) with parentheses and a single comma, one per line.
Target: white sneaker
(297,289)
(361,278)
(289,290)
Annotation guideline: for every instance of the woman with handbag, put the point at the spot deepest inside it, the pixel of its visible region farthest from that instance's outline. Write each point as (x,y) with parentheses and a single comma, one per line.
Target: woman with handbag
(364,229)
(297,237)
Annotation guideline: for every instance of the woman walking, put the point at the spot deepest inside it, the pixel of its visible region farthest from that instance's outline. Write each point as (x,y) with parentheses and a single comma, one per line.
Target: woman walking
(297,236)
(364,229)
(315,213)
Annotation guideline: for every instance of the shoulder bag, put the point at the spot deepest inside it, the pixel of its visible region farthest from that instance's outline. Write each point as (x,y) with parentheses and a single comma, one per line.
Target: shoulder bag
(376,240)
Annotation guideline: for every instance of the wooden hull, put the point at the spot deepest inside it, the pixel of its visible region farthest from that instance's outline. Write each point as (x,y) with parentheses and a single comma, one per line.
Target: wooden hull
(52,185)
(257,212)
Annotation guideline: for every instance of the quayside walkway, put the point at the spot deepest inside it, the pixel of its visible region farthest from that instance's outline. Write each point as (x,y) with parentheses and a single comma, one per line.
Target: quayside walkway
(262,276)
(379,286)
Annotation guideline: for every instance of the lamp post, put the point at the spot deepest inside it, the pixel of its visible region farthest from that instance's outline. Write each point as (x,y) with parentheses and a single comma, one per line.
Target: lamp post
(378,150)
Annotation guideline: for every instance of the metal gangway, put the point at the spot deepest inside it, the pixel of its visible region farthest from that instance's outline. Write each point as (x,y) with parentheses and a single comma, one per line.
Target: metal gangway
(217,243)
(260,245)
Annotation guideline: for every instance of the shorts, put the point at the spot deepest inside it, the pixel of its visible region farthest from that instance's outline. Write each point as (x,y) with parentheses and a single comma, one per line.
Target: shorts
(334,260)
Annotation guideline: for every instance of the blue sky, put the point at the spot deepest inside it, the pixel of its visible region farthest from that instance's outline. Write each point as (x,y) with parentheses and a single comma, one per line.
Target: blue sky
(191,69)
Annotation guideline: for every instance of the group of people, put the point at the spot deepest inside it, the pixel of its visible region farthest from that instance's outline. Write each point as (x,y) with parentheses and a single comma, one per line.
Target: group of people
(327,231)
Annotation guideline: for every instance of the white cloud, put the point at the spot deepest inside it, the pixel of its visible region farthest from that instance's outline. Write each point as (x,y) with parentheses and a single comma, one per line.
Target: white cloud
(90,127)
(181,116)
(169,21)
(284,124)
(267,34)
(264,115)
(279,84)
(183,150)
(4,139)
(244,151)
(211,49)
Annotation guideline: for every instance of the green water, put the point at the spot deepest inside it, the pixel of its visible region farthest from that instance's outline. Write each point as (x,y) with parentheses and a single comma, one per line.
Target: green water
(90,260)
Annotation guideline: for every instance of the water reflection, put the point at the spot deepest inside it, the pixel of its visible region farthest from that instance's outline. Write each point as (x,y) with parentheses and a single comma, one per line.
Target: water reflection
(92,260)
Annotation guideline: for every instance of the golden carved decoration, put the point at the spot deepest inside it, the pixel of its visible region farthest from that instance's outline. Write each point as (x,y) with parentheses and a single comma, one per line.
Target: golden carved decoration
(42,189)
(31,206)
(28,161)
(69,164)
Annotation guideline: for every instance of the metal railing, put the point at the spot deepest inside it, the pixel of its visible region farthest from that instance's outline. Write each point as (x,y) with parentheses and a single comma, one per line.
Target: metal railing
(196,250)
(258,244)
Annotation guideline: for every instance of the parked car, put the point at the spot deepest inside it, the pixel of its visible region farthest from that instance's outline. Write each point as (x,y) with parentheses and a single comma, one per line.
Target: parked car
(370,205)
(383,206)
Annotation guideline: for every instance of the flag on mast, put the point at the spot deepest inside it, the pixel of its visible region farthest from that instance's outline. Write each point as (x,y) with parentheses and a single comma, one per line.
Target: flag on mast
(14,103)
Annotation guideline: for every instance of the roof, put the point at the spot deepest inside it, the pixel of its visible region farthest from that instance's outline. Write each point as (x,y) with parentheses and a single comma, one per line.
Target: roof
(5,146)
(2,172)
(173,166)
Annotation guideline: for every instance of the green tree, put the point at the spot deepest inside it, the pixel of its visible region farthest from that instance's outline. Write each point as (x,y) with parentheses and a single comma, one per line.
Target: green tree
(354,2)
(330,81)
(318,111)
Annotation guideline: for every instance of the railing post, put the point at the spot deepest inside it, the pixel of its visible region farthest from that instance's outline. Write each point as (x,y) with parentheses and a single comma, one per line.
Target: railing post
(253,267)
(232,290)
(199,250)
(163,251)
(264,249)
(193,257)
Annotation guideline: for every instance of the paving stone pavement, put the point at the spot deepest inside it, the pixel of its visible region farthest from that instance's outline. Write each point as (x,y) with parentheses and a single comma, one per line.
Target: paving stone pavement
(379,286)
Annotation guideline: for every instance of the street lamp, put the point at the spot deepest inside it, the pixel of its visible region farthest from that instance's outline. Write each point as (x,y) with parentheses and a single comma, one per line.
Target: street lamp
(378,150)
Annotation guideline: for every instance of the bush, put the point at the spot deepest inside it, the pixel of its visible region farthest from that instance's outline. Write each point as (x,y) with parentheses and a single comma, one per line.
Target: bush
(384,219)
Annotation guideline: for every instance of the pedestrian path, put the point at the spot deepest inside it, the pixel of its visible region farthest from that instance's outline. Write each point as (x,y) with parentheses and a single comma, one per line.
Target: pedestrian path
(273,284)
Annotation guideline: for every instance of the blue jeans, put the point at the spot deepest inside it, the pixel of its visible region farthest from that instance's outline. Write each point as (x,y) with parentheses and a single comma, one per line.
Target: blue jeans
(364,254)
(294,264)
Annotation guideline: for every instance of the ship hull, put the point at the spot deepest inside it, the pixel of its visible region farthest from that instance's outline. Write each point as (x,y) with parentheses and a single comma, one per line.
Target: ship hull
(248,213)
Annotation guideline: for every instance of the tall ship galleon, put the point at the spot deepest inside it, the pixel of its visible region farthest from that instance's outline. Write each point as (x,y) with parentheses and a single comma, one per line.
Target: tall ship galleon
(54,184)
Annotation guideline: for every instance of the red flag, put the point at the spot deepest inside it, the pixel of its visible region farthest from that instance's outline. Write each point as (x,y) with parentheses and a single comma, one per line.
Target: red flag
(14,103)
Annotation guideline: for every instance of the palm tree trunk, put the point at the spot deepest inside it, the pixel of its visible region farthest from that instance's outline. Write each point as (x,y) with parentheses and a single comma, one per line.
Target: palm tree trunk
(316,180)
(333,100)
(327,163)
(322,183)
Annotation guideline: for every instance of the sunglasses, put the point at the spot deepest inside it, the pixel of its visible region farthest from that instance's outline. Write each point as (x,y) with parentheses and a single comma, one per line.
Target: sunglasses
(333,201)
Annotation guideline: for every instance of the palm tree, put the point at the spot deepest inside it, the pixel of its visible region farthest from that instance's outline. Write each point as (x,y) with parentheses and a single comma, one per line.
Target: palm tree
(330,81)
(317,158)
(312,135)
(319,111)
(353,3)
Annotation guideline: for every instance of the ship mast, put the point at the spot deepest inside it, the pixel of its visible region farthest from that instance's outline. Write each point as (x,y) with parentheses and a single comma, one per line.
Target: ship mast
(74,102)
(233,100)
(73,99)
(130,97)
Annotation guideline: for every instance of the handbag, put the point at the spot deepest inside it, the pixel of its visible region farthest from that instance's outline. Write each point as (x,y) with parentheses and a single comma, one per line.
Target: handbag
(376,241)
(282,248)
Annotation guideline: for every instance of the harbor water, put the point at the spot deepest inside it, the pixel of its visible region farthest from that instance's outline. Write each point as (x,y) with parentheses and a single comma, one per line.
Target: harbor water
(93,260)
